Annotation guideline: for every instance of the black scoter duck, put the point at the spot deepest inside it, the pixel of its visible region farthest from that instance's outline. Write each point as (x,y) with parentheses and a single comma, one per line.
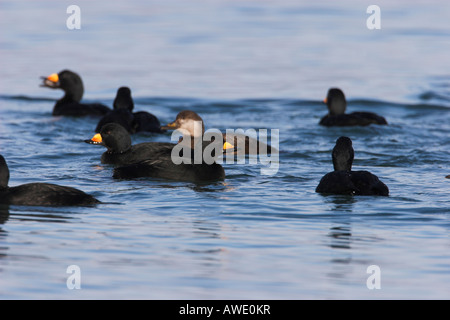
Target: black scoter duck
(236,143)
(336,116)
(40,194)
(69,104)
(123,114)
(120,150)
(181,167)
(345,181)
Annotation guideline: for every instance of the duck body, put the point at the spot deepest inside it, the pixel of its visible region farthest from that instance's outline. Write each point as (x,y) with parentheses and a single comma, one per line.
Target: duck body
(45,194)
(146,122)
(352,119)
(137,153)
(77,109)
(120,116)
(164,168)
(352,183)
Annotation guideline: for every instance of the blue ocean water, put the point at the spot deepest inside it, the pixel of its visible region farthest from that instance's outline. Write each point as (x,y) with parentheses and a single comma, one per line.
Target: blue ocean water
(239,64)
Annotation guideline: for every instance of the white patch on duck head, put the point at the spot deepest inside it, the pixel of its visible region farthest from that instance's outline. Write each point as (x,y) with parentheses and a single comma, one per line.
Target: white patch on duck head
(191,127)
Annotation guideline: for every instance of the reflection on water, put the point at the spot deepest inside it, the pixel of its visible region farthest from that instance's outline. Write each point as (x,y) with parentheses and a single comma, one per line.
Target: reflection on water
(19,214)
(212,187)
(4,214)
(205,251)
(40,214)
(4,217)
(341,203)
(341,237)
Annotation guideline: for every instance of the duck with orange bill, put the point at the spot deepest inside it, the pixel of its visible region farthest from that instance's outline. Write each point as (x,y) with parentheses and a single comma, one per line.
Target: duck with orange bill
(120,151)
(70,105)
(192,159)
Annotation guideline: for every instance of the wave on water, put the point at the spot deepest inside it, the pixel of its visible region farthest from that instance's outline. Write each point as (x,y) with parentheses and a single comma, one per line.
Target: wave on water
(180,102)
(433,95)
(25,98)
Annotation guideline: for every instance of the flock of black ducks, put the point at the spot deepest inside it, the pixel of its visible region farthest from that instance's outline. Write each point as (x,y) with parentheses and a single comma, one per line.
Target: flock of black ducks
(154,159)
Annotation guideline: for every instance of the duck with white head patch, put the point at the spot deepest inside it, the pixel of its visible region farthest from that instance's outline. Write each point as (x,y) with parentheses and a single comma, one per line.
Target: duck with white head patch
(168,166)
